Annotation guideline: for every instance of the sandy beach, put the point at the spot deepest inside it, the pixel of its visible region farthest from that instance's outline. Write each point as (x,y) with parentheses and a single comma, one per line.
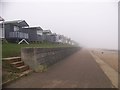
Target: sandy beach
(109,56)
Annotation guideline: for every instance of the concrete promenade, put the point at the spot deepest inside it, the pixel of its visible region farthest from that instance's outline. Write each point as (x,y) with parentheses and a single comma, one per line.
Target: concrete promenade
(80,70)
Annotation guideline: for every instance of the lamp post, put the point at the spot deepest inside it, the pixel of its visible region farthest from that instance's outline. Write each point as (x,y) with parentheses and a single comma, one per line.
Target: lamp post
(3,32)
(3,26)
(1,19)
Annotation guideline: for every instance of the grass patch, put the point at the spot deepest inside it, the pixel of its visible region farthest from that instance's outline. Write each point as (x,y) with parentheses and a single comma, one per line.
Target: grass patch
(8,76)
(13,49)
(42,68)
(9,72)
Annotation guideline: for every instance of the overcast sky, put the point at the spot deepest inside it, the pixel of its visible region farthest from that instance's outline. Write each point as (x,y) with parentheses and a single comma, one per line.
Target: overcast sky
(92,23)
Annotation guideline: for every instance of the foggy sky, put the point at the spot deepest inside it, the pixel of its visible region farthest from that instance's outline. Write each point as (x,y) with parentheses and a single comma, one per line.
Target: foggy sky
(92,24)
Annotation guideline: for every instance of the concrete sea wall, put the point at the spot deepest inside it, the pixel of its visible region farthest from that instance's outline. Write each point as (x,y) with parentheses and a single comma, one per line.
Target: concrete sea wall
(36,58)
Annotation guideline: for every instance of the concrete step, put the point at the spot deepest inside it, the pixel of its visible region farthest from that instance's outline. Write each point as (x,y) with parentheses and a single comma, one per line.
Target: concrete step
(12,59)
(23,68)
(26,72)
(18,64)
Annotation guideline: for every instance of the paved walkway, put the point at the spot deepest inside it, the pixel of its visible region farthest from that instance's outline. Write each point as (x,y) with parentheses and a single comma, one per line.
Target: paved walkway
(77,71)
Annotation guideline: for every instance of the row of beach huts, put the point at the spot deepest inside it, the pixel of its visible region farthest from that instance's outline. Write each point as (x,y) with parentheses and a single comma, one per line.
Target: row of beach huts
(17,30)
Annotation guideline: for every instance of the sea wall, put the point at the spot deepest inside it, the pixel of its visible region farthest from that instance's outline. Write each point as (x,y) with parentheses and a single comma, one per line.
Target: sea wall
(36,58)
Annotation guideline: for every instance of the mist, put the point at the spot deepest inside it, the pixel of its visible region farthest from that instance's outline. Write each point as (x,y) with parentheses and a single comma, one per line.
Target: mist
(91,24)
